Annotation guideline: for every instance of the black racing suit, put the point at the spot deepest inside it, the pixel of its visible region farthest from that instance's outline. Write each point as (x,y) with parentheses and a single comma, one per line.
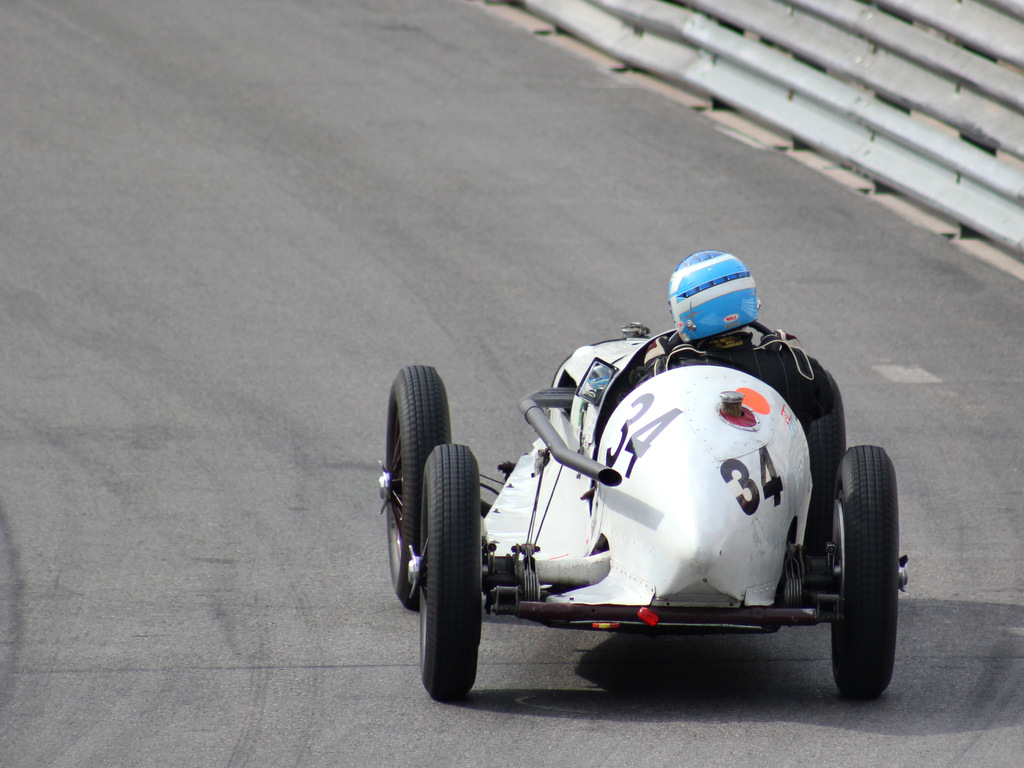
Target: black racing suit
(775,358)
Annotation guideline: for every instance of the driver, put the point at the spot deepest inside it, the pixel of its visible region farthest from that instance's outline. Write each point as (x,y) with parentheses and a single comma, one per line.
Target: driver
(714,305)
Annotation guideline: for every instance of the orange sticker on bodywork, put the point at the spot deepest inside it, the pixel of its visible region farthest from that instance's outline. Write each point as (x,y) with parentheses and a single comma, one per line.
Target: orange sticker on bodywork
(755,401)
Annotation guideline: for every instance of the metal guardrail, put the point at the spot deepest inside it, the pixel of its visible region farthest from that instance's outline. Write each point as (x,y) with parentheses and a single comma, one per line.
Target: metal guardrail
(926,97)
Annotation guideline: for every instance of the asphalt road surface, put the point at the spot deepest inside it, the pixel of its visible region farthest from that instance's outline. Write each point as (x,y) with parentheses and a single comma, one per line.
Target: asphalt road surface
(225,227)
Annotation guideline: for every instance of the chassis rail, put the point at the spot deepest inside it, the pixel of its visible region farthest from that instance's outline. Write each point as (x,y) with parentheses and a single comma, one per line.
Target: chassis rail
(668,617)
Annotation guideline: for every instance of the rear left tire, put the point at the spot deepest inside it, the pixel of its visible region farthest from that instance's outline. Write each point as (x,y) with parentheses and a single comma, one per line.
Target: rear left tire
(451,591)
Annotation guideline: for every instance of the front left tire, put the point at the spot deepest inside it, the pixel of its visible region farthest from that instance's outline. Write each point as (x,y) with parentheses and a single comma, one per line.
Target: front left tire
(418,420)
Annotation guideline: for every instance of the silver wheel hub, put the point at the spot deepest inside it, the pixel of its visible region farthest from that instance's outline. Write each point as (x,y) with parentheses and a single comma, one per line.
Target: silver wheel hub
(415,572)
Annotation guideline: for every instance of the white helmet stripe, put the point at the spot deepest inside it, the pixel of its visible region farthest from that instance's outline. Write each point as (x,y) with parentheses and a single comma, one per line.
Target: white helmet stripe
(709,294)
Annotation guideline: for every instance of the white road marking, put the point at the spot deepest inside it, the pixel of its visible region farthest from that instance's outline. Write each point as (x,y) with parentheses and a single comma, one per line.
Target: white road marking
(904,374)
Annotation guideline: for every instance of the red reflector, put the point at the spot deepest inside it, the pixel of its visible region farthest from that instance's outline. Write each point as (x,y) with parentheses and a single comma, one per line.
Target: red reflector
(647,616)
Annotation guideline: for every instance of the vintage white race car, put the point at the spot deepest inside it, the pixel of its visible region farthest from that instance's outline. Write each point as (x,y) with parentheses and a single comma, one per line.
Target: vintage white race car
(683,504)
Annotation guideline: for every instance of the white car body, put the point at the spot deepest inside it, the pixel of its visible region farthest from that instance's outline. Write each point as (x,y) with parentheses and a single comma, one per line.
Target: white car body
(707,507)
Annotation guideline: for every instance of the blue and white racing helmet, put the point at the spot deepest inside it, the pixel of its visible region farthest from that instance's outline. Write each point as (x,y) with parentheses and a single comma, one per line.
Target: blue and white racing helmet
(711,292)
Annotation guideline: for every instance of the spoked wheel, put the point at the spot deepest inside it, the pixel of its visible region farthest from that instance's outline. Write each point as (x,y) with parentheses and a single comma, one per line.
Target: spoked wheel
(451,590)
(418,420)
(826,443)
(866,534)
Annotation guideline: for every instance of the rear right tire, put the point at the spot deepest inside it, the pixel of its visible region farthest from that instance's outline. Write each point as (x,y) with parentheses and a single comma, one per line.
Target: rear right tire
(866,534)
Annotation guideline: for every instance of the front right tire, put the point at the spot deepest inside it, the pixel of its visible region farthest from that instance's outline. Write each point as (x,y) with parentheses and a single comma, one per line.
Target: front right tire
(826,445)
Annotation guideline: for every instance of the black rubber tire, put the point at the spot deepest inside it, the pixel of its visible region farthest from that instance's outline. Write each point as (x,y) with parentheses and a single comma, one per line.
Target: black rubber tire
(866,533)
(826,443)
(451,593)
(418,420)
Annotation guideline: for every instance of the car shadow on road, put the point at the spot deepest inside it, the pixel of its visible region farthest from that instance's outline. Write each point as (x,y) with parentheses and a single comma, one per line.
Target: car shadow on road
(11,619)
(957,669)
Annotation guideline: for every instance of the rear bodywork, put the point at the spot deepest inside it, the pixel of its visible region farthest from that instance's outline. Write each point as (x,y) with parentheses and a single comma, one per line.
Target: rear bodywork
(679,503)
